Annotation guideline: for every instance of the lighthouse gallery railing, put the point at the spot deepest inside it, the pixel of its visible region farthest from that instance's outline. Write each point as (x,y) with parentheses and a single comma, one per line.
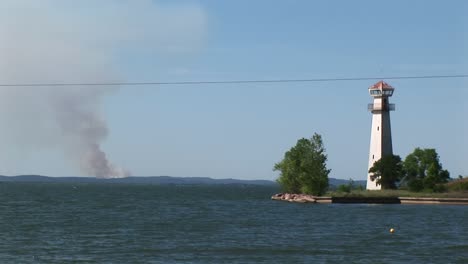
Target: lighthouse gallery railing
(381,107)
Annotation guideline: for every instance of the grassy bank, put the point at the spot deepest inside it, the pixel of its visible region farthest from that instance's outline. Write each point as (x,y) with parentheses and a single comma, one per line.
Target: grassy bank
(455,189)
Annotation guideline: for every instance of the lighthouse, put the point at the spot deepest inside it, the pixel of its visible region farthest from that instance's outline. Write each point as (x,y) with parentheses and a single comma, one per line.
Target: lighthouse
(381,133)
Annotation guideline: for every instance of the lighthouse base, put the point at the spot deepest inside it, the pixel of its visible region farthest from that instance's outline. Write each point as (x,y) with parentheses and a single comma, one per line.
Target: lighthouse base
(372,183)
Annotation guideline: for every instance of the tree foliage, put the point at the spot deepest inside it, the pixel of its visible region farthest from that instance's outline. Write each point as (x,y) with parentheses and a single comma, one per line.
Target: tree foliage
(424,170)
(303,168)
(388,171)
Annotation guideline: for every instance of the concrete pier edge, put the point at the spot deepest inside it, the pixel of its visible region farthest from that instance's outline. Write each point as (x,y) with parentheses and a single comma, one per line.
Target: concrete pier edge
(370,200)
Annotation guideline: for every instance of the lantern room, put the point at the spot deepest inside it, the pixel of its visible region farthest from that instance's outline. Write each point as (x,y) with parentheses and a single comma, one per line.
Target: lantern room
(381,89)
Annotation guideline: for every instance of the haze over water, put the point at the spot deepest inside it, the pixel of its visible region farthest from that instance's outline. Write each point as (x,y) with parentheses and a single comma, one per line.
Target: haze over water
(129,223)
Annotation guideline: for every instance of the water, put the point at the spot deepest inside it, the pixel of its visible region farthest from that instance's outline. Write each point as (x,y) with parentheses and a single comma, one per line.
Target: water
(123,223)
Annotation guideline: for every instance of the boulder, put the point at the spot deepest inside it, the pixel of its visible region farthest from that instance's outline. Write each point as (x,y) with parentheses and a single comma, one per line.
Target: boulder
(292,197)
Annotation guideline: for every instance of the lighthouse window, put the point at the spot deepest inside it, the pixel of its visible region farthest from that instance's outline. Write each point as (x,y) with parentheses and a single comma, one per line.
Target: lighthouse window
(388,92)
(373,92)
(372,156)
(378,128)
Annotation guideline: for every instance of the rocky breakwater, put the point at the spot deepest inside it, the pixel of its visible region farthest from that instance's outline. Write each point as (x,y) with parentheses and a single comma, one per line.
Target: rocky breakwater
(295,198)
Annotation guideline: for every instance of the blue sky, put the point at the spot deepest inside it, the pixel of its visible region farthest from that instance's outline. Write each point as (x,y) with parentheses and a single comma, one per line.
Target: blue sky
(234,130)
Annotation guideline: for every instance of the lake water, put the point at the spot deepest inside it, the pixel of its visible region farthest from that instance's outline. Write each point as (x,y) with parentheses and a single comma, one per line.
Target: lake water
(123,223)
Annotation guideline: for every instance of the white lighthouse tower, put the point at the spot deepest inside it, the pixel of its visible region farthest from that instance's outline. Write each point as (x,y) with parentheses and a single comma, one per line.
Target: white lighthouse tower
(381,134)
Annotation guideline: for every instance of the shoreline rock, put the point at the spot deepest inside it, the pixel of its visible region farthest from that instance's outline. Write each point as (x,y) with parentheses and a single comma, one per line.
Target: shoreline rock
(293,197)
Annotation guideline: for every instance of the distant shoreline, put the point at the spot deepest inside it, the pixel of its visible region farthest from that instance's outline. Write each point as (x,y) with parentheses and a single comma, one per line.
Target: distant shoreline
(157,180)
(135,180)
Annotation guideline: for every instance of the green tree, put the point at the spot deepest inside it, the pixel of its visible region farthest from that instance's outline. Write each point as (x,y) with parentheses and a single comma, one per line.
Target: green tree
(424,170)
(303,168)
(388,171)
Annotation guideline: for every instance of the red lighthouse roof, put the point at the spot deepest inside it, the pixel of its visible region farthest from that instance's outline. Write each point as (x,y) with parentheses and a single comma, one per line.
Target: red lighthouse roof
(381,85)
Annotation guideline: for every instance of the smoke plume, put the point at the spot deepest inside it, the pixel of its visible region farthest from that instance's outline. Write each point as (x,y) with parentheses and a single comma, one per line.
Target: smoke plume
(77,41)
(68,118)
(76,112)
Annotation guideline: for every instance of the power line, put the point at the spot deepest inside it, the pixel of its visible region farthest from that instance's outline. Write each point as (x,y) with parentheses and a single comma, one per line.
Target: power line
(234,81)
